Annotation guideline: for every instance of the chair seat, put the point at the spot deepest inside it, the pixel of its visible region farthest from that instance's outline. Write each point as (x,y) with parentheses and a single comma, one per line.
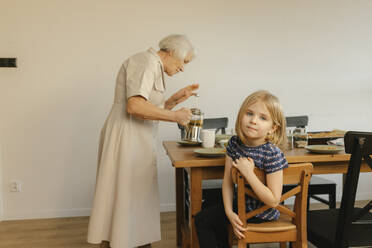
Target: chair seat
(322,223)
(284,223)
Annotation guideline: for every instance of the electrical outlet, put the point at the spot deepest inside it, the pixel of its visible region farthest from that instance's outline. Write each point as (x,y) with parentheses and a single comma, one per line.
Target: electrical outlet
(8,62)
(16,186)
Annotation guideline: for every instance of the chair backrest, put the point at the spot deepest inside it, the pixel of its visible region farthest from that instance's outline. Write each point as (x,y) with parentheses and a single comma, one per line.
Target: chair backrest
(297,121)
(298,174)
(359,145)
(220,124)
(216,123)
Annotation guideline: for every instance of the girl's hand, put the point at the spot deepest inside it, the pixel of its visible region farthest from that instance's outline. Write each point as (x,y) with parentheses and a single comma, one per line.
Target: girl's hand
(237,225)
(244,165)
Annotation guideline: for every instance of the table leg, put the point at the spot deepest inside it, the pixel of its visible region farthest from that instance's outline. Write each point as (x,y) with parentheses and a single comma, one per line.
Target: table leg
(343,180)
(195,202)
(180,205)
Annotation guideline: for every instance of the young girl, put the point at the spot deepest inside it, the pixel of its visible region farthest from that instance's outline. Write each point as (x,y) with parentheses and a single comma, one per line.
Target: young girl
(260,128)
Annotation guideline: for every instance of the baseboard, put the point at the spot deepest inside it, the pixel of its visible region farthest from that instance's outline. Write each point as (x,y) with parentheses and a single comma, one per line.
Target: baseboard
(169,207)
(1,203)
(360,197)
(1,212)
(46,214)
(363,196)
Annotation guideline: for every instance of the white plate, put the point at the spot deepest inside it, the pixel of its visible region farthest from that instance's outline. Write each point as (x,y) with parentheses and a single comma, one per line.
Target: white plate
(210,152)
(328,149)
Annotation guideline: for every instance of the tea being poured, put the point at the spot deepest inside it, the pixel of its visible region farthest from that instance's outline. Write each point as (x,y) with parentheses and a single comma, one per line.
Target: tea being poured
(196,101)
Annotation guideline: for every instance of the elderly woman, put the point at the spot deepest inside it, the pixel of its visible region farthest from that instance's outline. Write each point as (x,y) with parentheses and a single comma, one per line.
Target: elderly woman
(125,210)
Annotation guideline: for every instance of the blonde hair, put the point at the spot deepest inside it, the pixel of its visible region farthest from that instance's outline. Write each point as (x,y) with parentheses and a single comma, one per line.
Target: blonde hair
(178,43)
(278,137)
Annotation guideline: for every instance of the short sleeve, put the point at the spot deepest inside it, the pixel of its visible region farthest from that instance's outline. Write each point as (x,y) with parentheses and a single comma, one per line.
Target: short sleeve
(140,78)
(275,161)
(231,148)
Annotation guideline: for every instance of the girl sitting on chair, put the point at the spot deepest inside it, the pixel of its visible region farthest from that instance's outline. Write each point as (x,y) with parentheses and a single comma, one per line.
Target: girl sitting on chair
(260,129)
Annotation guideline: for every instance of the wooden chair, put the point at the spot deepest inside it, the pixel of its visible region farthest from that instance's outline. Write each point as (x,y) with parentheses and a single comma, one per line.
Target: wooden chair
(291,226)
(347,226)
(318,185)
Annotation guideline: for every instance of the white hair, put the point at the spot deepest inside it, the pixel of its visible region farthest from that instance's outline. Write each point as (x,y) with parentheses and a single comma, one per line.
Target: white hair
(179,44)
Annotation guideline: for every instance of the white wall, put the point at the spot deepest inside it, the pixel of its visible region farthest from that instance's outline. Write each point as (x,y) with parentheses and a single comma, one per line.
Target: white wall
(314,55)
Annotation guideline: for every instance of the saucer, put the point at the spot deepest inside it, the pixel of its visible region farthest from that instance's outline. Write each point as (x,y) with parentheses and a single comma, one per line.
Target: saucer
(210,152)
(189,143)
(327,149)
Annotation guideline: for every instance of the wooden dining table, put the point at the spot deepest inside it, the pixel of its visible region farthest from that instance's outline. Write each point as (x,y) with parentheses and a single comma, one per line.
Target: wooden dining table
(185,160)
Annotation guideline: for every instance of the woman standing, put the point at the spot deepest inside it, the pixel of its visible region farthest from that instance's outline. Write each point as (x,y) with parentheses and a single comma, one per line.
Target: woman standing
(125,211)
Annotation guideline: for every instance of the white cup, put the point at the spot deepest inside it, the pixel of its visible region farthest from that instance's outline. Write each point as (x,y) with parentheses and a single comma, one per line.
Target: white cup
(208,137)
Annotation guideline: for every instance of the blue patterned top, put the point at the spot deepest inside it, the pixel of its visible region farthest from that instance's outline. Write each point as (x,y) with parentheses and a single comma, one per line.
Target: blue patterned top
(267,157)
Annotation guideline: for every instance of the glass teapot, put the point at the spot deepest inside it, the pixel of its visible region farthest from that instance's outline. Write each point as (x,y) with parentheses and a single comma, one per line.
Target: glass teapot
(192,131)
(300,137)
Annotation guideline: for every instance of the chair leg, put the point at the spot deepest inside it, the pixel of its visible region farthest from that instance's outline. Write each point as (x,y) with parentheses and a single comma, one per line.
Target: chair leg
(241,244)
(332,198)
(308,202)
(283,245)
(299,244)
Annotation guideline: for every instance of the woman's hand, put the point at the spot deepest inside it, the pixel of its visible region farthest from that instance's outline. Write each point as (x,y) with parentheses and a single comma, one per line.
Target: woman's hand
(181,96)
(237,225)
(183,116)
(185,93)
(244,165)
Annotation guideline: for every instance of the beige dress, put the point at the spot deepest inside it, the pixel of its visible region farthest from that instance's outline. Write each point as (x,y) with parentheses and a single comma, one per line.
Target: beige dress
(126,202)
